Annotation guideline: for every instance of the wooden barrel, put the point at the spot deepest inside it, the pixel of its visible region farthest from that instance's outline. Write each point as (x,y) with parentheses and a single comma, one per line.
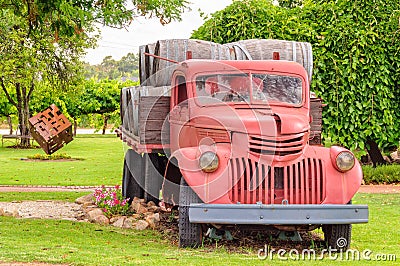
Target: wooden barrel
(176,50)
(264,49)
(146,62)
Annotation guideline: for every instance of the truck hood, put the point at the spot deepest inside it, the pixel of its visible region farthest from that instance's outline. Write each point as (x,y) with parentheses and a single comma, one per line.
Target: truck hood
(291,124)
(254,121)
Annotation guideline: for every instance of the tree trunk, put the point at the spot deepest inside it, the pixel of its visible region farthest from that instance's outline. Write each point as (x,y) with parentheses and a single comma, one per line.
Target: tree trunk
(75,127)
(105,117)
(375,153)
(9,122)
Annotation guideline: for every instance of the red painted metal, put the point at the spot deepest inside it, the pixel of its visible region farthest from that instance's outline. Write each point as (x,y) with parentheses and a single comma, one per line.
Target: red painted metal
(263,147)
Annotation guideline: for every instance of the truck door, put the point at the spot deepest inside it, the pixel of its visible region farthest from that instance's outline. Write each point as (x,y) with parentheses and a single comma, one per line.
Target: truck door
(179,115)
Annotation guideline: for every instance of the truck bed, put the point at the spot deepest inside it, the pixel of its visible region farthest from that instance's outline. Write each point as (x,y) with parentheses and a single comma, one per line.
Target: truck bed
(144,115)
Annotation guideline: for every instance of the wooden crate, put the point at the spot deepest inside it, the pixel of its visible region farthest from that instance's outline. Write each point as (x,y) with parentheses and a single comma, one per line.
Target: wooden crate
(51,129)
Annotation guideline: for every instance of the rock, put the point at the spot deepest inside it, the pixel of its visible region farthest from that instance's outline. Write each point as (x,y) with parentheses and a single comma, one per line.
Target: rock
(129,222)
(94,213)
(136,199)
(140,209)
(101,219)
(386,159)
(120,222)
(135,216)
(395,156)
(153,219)
(85,199)
(15,214)
(150,204)
(114,219)
(141,225)
(87,204)
(154,209)
(134,206)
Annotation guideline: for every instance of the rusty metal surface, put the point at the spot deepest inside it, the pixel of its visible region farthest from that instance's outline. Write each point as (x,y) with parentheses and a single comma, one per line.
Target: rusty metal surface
(51,129)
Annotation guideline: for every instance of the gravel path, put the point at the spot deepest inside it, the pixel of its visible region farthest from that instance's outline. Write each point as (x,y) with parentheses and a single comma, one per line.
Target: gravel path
(43,209)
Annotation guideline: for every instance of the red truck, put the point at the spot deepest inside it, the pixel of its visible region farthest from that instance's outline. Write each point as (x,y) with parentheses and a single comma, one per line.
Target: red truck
(237,142)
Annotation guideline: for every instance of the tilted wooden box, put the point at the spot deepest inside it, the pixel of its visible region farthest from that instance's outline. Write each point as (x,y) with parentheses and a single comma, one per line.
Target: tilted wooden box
(51,129)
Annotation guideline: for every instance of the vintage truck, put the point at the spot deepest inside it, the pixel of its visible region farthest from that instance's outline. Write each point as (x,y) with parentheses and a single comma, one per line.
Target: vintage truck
(238,143)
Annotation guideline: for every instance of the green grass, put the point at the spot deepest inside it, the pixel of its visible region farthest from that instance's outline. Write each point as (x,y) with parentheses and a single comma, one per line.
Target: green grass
(102,164)
(88,244)
(21,196)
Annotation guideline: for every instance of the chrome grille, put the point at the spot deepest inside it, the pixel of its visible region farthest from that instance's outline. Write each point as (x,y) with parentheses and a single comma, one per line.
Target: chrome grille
(280,146)
(299,183)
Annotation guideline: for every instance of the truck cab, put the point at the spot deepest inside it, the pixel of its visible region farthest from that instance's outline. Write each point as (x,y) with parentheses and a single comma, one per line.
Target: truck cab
(239,149)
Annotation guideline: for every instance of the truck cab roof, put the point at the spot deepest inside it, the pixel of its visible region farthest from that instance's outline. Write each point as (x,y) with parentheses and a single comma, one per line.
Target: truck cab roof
(194,66)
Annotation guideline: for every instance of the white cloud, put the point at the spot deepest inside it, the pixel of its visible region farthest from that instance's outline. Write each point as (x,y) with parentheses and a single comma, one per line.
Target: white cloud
(118,43)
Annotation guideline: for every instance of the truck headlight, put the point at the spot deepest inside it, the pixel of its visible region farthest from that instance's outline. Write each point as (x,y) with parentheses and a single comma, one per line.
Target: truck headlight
(208,162)
(345,161)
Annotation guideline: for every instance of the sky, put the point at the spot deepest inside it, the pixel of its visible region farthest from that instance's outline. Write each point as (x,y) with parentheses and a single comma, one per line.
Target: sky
(117,43)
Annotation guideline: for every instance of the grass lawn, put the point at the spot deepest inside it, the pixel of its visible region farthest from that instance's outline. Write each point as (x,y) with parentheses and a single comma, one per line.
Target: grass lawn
(102,164)
(21,196)
(88,244)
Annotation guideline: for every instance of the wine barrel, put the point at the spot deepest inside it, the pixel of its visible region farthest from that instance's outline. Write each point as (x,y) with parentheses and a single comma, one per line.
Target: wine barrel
(263,49)
(176,50)
(146,62)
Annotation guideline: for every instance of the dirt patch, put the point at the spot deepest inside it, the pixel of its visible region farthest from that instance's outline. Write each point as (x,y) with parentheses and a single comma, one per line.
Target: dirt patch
(52,160)
(380,189)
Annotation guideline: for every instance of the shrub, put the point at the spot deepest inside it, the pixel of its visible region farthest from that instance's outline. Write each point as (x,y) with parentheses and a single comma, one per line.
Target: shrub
(111,201)
(57,156)
(385,174)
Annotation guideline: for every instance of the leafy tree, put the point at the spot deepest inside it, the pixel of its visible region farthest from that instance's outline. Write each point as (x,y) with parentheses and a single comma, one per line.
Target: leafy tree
(356,62)
(7,110)
(43,40)
(103,98)
(126,68)
(290,3)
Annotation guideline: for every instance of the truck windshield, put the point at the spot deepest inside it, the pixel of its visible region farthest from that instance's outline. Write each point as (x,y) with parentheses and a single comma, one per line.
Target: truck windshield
(265,88)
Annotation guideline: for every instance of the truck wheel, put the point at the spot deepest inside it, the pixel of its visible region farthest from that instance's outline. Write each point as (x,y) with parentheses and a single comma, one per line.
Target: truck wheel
(190,234)
(132,177)
(337,236)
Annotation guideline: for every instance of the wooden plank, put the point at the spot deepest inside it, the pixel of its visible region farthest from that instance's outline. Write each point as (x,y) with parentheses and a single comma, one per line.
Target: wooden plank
(153,112)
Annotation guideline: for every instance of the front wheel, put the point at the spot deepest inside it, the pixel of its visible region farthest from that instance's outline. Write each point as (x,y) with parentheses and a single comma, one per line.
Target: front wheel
(190,234)
(337,236)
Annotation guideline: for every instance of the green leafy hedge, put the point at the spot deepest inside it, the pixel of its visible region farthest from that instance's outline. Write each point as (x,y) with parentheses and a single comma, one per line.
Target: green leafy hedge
(385,174)
(356,52)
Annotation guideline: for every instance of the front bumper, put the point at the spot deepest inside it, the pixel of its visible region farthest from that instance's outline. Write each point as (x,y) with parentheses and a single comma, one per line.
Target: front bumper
(278,214)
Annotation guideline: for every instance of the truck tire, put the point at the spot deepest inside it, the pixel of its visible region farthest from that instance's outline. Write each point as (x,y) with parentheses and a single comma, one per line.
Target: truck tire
(190,234)
(132,176)
(337,236)
(153,178)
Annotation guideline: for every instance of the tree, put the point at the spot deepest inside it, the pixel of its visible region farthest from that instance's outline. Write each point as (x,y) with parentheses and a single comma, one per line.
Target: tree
(101,97)
(126,68)
(290,3)
(7,110)
(356,62)
(43,40)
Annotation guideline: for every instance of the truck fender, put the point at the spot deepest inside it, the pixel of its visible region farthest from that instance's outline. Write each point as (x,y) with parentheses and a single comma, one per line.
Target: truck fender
(184,163)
